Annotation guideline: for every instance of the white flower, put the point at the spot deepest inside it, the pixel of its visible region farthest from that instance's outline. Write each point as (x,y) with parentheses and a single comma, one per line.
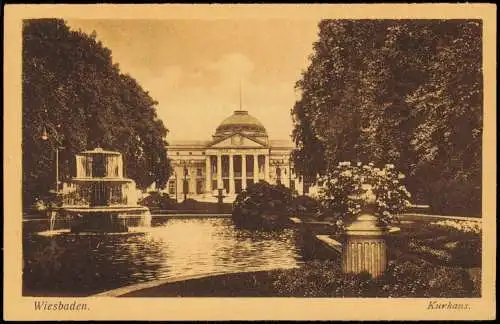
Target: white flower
(381,203)
(346,173)
(358,164)
(345,163)
(464,226)
(401,176)
(389,166)
(371,164)
(395,181)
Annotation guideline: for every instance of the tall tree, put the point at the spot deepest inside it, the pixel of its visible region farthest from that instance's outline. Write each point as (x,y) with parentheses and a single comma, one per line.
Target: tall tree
(73,91)
(407,92)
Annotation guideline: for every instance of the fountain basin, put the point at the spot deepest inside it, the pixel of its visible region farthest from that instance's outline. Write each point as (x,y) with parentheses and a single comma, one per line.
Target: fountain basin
(111,219)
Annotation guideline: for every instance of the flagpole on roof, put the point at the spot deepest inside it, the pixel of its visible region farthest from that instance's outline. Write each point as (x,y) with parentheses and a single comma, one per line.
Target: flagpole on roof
(240,96)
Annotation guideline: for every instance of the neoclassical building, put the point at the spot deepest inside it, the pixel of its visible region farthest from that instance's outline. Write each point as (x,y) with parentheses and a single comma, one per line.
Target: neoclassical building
(239,153)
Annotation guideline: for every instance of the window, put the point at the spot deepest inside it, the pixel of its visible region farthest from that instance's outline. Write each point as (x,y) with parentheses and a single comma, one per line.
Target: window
(199,172)
(171,187)
(190,153)
(177,153)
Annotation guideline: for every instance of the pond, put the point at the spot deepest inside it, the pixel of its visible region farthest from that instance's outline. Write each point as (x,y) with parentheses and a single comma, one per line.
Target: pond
(83,264)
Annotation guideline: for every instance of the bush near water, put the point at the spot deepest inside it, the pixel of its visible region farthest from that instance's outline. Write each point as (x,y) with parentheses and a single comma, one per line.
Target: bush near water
(157,200)
(263,206)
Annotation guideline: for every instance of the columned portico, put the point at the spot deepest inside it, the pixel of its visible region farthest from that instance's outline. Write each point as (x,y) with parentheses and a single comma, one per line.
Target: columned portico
(238,154)
(243,171)
(266,167)
(255,168)
(231,174)
(208,174)
(219,171)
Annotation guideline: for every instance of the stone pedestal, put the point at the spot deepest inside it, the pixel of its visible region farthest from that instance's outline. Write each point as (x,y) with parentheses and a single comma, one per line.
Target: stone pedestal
(365,248)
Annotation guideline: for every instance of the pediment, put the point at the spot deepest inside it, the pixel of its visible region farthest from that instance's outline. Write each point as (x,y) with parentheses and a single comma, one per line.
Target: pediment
(237,140)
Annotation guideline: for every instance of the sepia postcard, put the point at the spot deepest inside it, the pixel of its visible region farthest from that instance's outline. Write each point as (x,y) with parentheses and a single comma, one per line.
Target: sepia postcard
(250,162)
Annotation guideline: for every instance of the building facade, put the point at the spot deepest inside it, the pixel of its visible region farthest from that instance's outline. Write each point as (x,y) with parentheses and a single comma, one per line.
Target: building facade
(239,154)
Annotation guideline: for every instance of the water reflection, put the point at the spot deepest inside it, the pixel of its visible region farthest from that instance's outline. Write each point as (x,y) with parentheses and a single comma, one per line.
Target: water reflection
(70,264)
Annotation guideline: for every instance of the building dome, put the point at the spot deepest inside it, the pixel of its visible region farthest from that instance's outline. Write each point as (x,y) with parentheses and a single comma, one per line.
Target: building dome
(240,121)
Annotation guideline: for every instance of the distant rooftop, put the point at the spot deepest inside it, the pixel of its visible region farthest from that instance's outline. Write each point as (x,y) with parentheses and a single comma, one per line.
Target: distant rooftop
(277,143)
(241,121)
(282,143)
(191,143)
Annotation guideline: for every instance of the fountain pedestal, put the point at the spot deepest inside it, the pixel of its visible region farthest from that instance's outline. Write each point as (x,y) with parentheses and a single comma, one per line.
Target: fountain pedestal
(365,247)
(104,201)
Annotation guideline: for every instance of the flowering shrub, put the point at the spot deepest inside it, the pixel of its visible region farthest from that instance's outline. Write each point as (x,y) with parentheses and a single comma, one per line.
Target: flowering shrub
(347,188)
(440,254)
(40,205)
(463,226)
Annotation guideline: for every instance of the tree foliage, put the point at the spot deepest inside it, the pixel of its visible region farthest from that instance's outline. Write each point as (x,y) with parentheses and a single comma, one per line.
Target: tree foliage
(74,91)
(406,92)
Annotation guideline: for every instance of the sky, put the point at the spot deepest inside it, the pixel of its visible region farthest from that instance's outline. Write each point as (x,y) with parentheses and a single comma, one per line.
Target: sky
(194,68)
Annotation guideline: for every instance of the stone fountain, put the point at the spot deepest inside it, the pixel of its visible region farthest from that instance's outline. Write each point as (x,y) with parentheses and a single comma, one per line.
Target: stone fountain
(103,200)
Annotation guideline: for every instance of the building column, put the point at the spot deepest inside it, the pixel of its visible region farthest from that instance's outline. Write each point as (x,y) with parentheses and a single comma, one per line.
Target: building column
(180,181)
(255,168)
(231,174)
(266,168)
(243,171)
(192,179)
(208,174)
(219,171)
